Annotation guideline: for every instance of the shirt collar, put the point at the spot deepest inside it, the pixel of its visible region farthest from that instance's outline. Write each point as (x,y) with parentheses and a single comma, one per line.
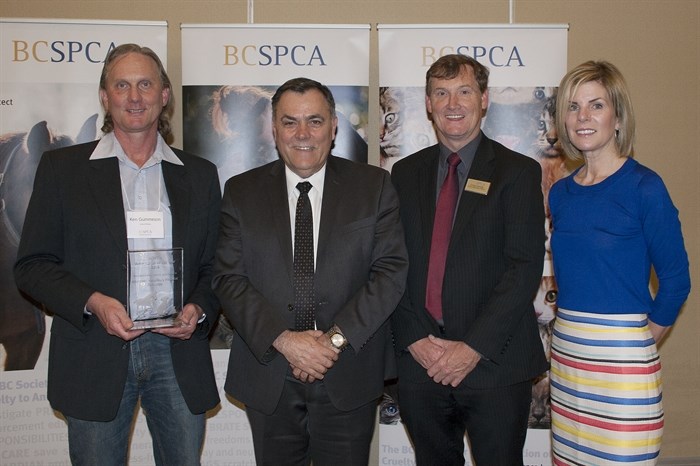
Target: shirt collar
(109,146)
(316,180)
(466,153)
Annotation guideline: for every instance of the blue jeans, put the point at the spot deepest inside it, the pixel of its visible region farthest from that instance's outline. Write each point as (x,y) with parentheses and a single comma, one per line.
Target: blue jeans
(177,434)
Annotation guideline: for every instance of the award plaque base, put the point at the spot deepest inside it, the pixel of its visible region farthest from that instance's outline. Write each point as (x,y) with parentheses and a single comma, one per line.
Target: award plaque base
(154,323)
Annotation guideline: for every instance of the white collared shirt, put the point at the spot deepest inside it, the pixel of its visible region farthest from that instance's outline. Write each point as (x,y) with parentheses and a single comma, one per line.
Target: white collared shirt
(315,197)
(143,188)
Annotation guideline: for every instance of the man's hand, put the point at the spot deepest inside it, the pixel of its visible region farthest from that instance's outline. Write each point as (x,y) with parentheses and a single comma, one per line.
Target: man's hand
(426,352)
(185,325)
(307,353)
(456,362)
(112,315)
(305,377)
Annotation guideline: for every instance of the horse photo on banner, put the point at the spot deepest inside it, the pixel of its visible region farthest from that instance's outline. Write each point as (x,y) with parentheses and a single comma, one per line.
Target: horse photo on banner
(526,63)
(229,74)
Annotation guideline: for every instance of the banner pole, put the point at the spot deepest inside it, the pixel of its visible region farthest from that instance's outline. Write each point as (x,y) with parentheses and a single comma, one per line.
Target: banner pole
(510,11)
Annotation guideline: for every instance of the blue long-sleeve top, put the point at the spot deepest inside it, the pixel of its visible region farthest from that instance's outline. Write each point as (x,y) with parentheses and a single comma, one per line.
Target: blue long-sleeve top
(607,236)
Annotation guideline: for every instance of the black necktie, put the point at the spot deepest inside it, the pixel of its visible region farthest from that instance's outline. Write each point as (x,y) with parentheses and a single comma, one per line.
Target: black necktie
(304,261)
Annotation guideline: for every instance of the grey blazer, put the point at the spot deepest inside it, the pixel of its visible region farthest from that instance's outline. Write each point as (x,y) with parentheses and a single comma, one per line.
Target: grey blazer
(360,276)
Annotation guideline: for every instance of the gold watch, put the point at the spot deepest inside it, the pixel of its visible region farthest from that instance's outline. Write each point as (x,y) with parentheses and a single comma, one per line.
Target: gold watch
(338,340)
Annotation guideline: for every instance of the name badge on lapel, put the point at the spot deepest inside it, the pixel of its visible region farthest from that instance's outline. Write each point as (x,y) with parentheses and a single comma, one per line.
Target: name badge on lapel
(477,186)
(145,224)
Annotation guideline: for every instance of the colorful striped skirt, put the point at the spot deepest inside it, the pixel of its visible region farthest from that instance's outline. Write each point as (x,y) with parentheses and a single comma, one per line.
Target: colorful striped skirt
(605,390)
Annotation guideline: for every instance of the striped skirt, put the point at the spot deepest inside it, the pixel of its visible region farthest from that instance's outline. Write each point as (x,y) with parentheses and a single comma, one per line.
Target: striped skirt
(605,390)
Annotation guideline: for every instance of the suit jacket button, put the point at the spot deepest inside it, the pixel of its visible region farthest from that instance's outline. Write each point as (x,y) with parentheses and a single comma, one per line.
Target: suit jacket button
(290,307)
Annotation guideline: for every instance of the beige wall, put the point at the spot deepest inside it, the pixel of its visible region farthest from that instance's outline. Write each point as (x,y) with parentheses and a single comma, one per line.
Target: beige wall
(656,44)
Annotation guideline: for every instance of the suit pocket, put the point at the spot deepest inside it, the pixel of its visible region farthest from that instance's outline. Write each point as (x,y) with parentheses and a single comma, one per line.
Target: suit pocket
(353,242)
(357,225)
(67,330)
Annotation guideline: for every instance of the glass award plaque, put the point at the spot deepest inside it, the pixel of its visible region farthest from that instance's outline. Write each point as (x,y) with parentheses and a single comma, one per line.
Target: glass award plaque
(154,293)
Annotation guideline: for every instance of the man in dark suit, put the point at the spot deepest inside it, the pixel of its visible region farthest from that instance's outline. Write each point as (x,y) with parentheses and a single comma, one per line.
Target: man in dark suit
(73,258)
(465,331)
(309,359)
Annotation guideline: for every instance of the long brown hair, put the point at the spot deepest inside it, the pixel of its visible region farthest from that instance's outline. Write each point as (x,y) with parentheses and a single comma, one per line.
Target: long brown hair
(121,50)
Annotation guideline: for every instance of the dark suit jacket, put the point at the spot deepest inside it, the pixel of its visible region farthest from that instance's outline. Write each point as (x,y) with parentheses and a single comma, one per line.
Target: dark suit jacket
(360,276)
(74,243)
(493,270)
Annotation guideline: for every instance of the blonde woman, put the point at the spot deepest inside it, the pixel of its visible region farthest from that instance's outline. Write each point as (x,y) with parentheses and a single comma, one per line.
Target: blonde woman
(613,220)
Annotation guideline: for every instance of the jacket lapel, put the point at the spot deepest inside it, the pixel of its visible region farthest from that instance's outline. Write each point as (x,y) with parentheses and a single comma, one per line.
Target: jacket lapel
(179,197)
(332,191)
(278,204)
(482,170)
(105,184)
(427,189)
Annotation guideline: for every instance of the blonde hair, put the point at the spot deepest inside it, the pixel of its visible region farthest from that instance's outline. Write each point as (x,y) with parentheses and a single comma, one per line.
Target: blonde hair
(608,76)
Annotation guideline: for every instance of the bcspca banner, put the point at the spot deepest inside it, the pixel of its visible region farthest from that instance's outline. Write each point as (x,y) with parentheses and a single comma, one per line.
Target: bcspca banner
(526,63)
(49,78)
(229,74)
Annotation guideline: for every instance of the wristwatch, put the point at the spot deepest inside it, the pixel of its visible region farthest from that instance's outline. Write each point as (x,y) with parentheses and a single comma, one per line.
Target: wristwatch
(338,340)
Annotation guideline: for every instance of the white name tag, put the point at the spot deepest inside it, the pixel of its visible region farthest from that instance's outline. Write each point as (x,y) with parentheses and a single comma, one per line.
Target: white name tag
(145,224)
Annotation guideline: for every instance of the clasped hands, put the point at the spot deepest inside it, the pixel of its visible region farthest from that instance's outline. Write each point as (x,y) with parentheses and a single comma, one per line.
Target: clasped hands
(309,353)
(448,362)
(114,318)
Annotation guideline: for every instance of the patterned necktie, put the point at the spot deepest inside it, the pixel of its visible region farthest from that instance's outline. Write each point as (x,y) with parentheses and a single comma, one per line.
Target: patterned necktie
(442,230)
(304,261)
